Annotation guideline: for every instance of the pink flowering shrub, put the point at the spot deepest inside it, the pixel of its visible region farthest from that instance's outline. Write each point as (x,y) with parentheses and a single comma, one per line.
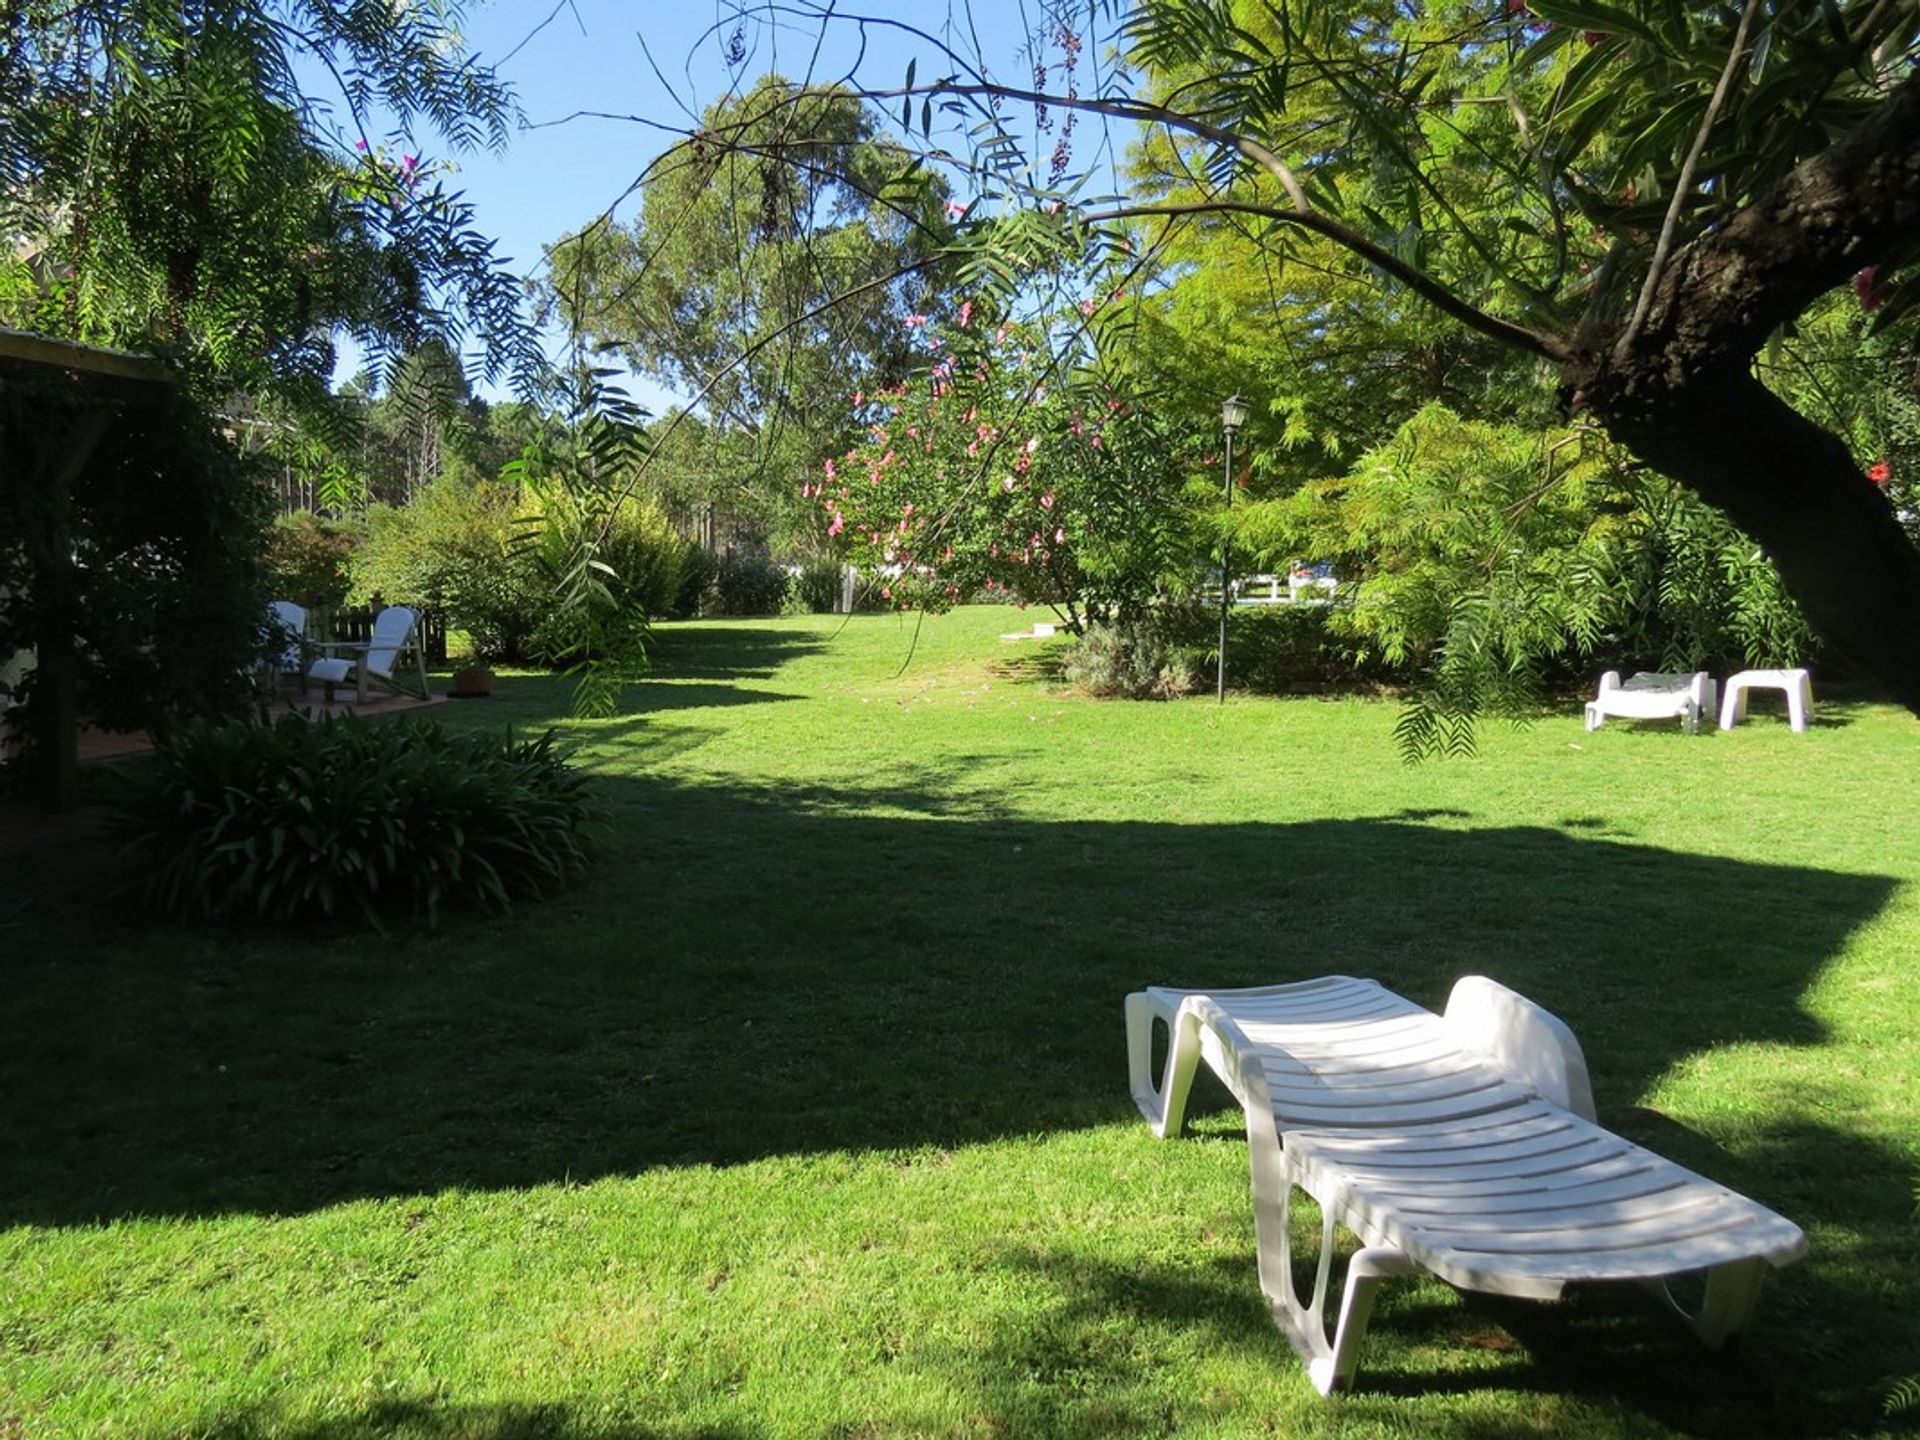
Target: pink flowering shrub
(999,475)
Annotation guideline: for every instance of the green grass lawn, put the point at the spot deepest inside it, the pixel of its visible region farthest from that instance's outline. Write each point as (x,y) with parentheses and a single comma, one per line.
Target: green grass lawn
(806,1114)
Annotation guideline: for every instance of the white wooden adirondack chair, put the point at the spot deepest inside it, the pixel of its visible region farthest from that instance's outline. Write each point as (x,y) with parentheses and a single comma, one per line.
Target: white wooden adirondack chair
(396,634)
(1464,1145)
(290,620)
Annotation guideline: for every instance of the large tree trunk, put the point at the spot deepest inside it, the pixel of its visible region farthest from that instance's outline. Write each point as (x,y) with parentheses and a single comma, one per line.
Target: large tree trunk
(1680,392)
(1796,490)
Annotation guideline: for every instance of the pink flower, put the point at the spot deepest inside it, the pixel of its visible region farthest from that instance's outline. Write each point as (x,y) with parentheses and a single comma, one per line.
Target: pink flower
(1007,484)
(886,592)
(1088,306)
(913,322)
(1880,472)
(1059,534)
(955,209)
(839,524)
(908,508)
(1033,444)
(1046,501)
(1868,289)
(830,469)
(859,399)
(966,313)
(360,145)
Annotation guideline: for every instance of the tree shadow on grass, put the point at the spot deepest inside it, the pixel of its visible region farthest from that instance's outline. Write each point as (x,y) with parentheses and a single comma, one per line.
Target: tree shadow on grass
(735,946)
(427,1420)
(748,976)
(732,649)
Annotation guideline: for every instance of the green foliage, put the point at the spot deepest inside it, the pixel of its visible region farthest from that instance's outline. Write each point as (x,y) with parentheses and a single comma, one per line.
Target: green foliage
(768,271)
(309,559)
(453,550)
(306,820)
(749,583)
(816,589)
(584,471)
(1133,660)
(170,181)
(698,573)
(1277,648)
(151,562)
(1490,559)
(487,554)
(1837,369)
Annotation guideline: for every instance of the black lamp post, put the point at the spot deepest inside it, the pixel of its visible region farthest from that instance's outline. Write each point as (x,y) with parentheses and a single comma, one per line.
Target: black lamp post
(1233,414)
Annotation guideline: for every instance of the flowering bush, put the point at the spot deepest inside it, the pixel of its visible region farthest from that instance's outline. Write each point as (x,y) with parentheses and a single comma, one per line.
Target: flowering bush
(990,477)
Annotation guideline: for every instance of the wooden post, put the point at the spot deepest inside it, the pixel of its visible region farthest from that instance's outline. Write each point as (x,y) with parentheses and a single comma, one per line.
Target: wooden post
(57,661)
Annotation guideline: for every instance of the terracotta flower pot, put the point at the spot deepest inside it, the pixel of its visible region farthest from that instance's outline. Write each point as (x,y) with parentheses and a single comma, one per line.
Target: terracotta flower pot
(472,682)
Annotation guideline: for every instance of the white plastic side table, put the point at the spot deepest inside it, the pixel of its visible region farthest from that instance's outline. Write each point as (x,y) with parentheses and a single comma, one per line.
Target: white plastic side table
(1796,684)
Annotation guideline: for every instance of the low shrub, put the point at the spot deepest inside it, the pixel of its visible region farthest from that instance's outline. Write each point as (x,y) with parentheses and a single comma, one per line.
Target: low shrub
(1277,648)
(308,559)
(816,589)
(305,820)
(698,571)
(1136,661)
(749,583)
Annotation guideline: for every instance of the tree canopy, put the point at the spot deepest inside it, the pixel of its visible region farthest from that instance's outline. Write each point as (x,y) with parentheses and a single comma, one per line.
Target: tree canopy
(771,271)
(169,182)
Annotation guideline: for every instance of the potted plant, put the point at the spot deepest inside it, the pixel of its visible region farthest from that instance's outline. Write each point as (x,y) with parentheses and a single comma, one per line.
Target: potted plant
(473,680)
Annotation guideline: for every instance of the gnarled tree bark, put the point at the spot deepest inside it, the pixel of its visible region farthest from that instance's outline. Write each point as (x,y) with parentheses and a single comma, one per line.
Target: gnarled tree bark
(1681,395)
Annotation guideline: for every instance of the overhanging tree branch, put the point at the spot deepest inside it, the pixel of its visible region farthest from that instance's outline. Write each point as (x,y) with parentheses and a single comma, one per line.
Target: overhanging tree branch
(1519,337)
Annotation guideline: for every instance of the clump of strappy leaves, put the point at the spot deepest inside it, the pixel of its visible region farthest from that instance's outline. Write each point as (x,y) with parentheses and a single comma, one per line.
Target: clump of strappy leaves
(308,820)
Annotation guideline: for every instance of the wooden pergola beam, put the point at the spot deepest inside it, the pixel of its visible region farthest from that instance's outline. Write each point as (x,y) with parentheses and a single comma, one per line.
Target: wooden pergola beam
(93,359)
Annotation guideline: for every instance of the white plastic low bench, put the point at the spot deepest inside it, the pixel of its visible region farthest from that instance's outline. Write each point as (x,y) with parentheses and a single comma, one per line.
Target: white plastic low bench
(1463,1145)
(1650,695)
(1797,685)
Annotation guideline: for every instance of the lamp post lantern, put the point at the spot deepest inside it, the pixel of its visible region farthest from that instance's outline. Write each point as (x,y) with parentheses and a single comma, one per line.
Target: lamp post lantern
(1233,414)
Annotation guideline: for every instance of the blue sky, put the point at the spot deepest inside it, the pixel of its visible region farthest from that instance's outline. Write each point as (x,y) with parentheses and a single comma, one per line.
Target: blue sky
(573,63)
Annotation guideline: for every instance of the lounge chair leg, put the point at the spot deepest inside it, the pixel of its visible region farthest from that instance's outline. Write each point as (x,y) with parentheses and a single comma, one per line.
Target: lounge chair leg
(1164,1106)
(1733,1292)
(1330,1363)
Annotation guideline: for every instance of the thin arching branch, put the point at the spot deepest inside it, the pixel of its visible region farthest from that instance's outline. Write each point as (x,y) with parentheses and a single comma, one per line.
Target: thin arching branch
(1519,337)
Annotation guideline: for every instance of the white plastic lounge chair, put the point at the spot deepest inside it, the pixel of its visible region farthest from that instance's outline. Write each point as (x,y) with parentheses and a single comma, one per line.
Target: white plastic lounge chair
(1650,695)
(1463,1145)
(396,632)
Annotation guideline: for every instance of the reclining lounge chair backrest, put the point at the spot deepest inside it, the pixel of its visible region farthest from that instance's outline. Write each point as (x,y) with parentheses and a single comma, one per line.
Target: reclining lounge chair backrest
(1532,1045)
(391,627)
